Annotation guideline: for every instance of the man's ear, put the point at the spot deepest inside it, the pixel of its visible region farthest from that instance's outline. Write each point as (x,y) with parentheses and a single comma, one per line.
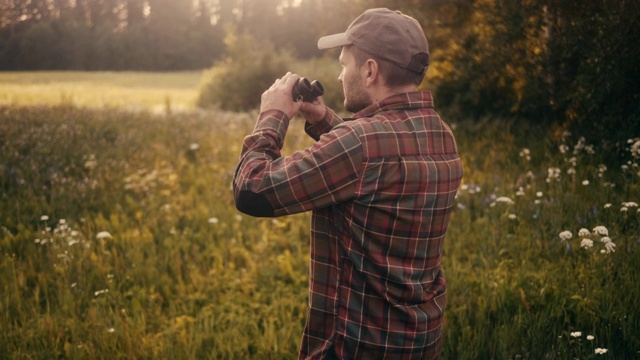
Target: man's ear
(372,74)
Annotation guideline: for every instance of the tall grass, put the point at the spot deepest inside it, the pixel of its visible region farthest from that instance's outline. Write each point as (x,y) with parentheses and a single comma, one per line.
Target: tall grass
(119,239)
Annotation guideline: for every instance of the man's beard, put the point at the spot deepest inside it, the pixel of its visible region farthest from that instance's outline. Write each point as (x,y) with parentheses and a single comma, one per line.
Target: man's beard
(355,99)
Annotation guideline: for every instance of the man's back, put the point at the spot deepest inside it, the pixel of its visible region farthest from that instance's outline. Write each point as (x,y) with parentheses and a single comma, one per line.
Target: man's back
(376,258)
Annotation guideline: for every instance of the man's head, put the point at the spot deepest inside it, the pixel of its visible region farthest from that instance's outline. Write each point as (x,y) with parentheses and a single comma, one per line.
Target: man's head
(390,42)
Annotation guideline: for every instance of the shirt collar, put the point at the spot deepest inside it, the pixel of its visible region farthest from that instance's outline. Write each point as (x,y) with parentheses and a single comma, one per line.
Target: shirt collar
(402,101)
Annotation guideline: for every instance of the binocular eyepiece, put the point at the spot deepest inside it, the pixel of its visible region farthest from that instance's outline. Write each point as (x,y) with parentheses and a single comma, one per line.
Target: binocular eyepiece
(307,91)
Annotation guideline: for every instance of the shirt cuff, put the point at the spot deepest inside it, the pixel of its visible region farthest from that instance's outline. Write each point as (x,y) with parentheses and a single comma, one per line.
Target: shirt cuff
(325,125)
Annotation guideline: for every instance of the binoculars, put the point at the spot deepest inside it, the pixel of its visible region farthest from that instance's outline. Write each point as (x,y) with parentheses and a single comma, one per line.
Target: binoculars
(307,91)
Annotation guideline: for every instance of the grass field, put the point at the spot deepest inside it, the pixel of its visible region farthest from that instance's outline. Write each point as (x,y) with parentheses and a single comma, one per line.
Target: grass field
(157,92)
(119,237)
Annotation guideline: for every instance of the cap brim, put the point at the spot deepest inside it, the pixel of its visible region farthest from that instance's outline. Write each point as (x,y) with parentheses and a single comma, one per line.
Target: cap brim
(333,41)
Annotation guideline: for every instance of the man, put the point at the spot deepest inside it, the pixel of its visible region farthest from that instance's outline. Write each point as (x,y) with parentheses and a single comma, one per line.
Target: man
(381,186)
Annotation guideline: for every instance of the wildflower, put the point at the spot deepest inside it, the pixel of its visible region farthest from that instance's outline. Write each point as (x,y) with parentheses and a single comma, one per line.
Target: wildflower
(238,217)
(111,330)
(100,292)
(44,218)
(583,232)
(623,209)
(504,199)
(571,171)
(601,230)
(539,194)
(576,334)
(104,235)
(609,247)
(600,351)
(607,205)
(563,148)
(585,182)
(194,146)
(91,162)
(553,174)
(520,192)
(590,337)
(526,154)
(565,235)
(630,204)
(213,220)
(512,216)
(586,243)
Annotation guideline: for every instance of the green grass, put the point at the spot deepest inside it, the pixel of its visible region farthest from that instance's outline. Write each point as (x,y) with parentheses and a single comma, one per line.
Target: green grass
(130,90)
(182,275)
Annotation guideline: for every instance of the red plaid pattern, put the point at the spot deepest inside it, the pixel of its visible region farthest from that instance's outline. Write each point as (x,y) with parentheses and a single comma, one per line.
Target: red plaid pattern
(381,186)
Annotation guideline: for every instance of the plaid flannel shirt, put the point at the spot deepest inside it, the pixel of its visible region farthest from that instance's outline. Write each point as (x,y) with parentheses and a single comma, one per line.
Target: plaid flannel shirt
(381,186)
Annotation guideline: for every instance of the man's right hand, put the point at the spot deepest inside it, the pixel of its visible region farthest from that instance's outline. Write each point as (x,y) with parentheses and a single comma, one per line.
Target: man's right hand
(313,112)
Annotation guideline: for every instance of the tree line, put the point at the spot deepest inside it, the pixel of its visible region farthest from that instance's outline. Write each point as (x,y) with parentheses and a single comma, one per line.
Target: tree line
(544,61)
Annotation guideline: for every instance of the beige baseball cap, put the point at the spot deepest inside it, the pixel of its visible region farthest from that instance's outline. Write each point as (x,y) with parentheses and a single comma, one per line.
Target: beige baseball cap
(389,35)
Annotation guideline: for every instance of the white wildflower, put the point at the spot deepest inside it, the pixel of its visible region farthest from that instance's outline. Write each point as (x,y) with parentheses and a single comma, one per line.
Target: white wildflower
(607,205)
(565,235)
(238,217)
(539,194)
(520,192)
(44,218)
(630,204)
(563,148)
(585,182)
(610,247)
(111,330)
(512,216)
(526,154)
(104,235)
(571,171)
(194,146)
(576,334)
(600,351)
(100,292)
(504,199)
(553,173)
(590,337)
(601,230)
(584,232)
(623,209)
(586,243)
(213,220)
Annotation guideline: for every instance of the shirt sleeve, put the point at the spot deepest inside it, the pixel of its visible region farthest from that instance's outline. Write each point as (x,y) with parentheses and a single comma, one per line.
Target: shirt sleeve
(267,184)
(331,120)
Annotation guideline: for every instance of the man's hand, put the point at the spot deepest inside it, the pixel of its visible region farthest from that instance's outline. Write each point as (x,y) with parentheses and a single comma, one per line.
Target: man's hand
(279,96)
(314,112)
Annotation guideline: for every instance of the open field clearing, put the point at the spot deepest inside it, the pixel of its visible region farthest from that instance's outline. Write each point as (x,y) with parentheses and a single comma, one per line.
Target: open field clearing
(129,90)
(119,237)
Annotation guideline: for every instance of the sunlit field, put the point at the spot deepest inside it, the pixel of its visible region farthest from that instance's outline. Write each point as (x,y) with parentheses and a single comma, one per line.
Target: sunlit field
(158,92)
(119,237)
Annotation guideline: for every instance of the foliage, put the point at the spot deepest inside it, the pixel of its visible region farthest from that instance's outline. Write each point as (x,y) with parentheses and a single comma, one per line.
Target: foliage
(238,81)
(119,238)
(564,62)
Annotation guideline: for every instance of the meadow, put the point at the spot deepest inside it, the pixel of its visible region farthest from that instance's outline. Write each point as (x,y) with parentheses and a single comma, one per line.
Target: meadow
(119,237)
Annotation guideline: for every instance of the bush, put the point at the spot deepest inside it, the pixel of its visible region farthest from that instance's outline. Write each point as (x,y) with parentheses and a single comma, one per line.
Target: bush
(237,82)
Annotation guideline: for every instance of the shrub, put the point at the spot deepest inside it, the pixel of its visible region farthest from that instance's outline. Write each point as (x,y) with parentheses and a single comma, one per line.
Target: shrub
(238,81)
